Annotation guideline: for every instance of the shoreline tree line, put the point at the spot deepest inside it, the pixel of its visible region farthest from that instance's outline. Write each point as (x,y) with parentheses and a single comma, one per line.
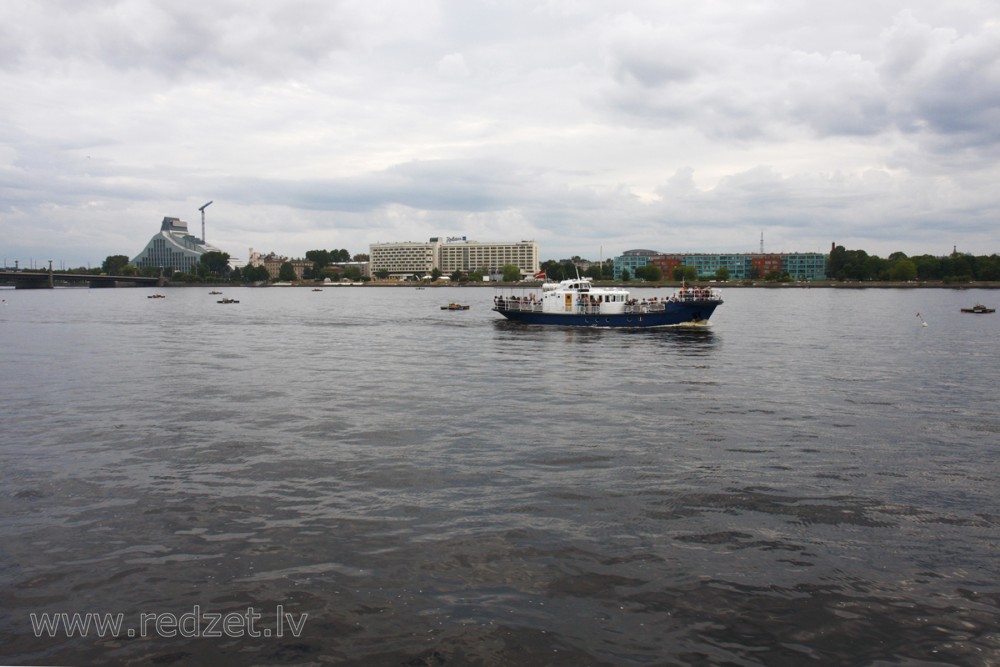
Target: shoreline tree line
(842,264)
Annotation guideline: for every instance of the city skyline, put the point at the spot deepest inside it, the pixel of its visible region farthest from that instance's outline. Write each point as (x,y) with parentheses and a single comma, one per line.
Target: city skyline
(592,130)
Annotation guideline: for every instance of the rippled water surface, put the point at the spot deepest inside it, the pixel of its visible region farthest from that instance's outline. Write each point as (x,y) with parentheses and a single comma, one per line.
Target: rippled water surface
(812,479)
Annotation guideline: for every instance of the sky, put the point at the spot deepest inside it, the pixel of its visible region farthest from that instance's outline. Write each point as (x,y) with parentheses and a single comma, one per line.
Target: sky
(592,127)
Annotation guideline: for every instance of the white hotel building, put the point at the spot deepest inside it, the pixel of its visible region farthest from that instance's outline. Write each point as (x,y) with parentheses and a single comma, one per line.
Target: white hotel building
(452,254)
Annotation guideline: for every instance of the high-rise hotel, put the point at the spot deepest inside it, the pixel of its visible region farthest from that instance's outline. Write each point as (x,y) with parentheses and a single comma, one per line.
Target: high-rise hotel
(452,254)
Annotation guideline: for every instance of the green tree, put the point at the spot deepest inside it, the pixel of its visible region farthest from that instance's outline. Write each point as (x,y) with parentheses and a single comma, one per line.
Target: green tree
(958,267)
(286,273)
(435,273)
(649,273)
(382,274)
(260,274)
(215,263)
(836,262)
(319,258)
(722,274)
(115,265)
(928,267)
(511,274)
(625,276)
(553,270)
(685,273)
(989,268)
(903,270)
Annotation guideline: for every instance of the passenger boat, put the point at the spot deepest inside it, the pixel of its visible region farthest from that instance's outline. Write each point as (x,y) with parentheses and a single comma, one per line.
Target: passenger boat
(576,302)
(979,309)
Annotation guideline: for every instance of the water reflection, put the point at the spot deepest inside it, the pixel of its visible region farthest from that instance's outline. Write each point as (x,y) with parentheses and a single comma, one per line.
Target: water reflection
(687,340)
(694,340)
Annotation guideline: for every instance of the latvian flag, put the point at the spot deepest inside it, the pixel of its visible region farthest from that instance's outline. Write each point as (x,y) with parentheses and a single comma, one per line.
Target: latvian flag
(541,275)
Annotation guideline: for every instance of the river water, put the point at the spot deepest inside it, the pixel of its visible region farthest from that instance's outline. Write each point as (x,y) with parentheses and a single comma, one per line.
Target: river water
(813,479)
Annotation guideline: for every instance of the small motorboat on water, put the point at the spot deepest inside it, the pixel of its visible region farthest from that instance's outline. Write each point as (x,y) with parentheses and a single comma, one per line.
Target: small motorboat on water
(979,309)
(157,296)
(215,292)
(576,302)
(454,306)
(228,301)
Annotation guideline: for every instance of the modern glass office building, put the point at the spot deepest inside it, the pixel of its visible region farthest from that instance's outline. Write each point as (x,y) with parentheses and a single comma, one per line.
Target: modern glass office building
(741,266)
(173,249)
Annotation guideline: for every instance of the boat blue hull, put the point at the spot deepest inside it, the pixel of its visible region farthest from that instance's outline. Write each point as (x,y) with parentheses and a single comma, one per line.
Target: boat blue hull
(675,314)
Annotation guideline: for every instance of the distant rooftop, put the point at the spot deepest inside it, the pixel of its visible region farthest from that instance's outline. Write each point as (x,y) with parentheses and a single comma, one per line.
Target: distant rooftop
(641,253)
(174,225)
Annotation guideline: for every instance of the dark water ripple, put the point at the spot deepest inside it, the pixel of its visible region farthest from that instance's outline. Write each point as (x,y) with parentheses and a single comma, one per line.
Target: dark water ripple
(811,480)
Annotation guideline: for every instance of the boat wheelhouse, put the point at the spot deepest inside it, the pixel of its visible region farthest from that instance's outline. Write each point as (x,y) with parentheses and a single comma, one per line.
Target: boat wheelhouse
(576,302)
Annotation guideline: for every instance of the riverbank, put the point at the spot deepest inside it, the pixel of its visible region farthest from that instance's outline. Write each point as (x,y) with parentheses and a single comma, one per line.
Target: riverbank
(634,284)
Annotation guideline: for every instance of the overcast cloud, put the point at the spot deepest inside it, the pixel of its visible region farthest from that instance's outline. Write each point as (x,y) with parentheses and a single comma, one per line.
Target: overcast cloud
(591,127)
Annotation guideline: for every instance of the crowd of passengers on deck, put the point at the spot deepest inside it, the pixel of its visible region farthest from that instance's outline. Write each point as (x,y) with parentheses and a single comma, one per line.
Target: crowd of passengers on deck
(515,302)
(693,294)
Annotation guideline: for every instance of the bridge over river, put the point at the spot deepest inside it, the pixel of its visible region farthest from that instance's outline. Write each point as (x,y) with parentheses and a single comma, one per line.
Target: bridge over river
(49,279)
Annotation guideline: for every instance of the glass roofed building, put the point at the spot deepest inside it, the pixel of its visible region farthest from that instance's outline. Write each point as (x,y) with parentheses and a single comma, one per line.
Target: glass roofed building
(174,248)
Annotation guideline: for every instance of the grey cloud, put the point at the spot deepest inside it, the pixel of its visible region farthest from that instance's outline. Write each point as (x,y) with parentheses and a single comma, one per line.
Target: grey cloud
(924,80)
(182,38)
(437,185)
(577,121)
(944,82)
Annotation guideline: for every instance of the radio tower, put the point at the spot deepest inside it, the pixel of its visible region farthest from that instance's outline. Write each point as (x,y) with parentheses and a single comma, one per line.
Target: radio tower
(761,240)
(202,209)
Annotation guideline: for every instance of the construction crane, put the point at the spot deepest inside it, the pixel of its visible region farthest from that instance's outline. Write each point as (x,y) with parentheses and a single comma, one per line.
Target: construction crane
(202,209)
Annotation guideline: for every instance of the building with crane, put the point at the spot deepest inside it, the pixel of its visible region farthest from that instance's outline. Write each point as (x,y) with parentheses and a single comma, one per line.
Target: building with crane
(174,248)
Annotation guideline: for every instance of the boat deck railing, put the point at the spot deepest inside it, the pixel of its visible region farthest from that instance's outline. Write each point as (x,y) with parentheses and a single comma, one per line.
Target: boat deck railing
(518,304)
